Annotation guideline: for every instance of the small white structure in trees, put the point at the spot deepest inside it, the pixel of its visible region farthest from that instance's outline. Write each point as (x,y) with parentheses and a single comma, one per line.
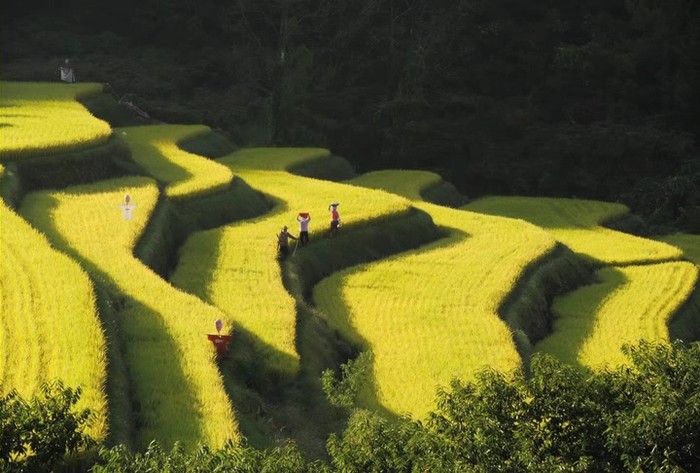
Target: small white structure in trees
(67,73)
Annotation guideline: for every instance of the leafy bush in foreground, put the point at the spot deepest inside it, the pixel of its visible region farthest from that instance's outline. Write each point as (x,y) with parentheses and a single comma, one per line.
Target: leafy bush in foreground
(644,417)
(641,418)
(35,435)
(231,458)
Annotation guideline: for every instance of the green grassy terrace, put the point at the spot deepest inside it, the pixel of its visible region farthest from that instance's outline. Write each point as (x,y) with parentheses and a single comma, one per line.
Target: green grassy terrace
(162,330)
(43,118)
(639,289)
(49,327)
(434,309)
(183,174)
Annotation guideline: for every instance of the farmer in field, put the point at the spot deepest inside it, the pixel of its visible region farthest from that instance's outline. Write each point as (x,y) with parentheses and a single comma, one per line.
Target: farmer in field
(304,218)
(335,219)
(283,242)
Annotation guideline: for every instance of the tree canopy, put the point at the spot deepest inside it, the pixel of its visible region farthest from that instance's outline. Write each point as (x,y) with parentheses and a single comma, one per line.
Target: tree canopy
(566,98)
(587,99)
(644,417)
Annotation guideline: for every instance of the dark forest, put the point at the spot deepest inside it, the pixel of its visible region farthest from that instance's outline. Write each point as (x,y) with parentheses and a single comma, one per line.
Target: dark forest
(597,99)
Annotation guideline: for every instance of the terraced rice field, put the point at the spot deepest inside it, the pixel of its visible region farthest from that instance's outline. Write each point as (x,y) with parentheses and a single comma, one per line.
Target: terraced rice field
(432,314)
(235,267)
(628,303)
(690,244)
(185,174)
(577,224)
(49,327)
(171,369)
(427,315)
(41,118)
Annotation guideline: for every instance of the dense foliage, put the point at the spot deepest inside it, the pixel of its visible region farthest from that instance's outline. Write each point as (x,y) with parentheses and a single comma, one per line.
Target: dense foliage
(36,434)
(595,99)
(642,418)
(645,417)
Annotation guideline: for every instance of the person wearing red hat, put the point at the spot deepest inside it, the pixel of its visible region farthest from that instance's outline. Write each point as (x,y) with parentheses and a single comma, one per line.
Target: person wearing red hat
(304,218)
(335,219)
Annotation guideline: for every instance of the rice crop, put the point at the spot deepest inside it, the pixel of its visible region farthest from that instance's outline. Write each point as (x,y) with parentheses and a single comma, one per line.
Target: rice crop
(577,224)
(431,314)
(43,118)
(155,148)
(626,305)
(633,299)
(235,267)
(49,327)
(176,386)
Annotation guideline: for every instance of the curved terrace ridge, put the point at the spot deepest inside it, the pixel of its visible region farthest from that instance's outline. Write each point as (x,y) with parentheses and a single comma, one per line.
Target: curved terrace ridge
(39,118)
(172,373)
(184,175)
(442,327)
(49,326)
(242,275)
(640,287)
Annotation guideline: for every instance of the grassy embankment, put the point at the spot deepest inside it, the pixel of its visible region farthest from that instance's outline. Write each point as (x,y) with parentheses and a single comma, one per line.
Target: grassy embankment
(640,284)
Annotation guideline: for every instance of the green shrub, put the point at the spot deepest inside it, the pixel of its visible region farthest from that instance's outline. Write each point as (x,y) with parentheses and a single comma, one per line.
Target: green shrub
(231,458)
(355,375)
(36,435)
(640,418)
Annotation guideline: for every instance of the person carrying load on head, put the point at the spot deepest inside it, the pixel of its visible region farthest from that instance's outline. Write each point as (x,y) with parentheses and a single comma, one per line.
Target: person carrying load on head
(304,218)
(335,219)
(283,242)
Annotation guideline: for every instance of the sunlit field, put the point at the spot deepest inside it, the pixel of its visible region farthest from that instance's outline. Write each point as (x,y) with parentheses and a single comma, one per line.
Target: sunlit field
(427,315)
(49,328)
(171,366)
(155,148)
(235,267)
(44,118)
(431,314)
(628,304)
(577,224)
